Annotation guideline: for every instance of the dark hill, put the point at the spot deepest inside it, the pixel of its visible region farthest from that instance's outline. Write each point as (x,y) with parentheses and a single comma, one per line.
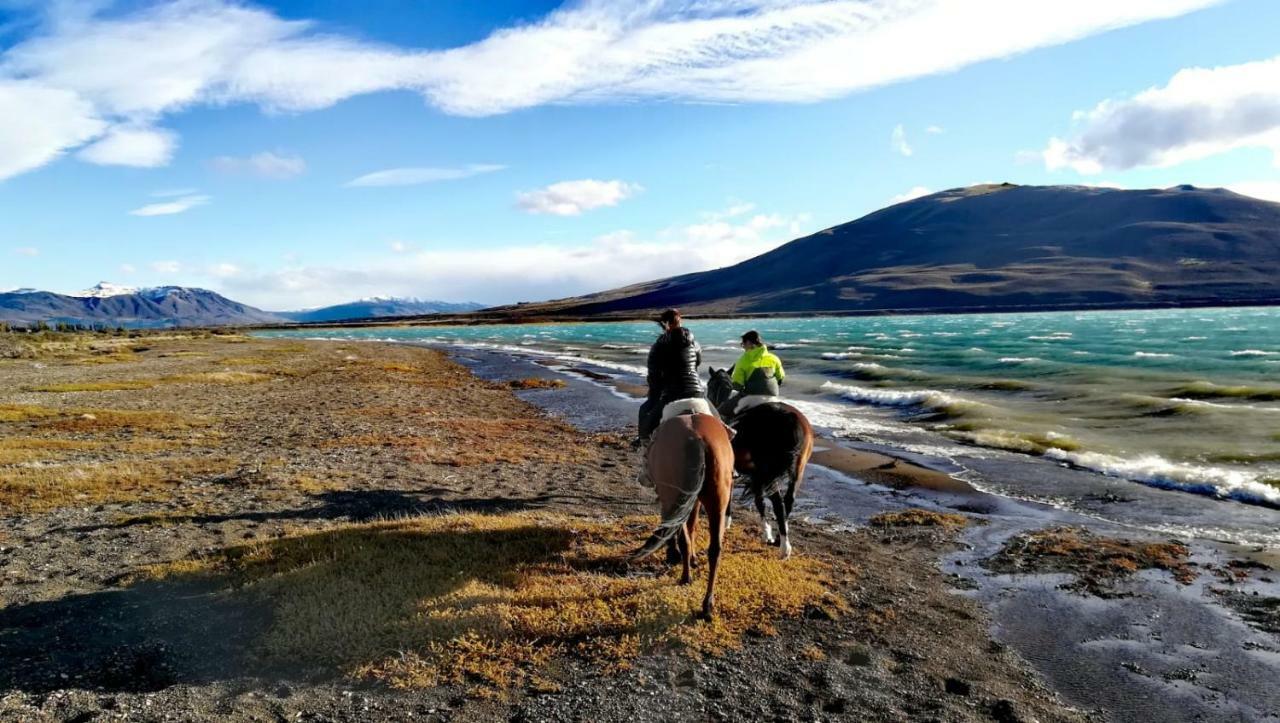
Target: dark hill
(991,247)
(378,308)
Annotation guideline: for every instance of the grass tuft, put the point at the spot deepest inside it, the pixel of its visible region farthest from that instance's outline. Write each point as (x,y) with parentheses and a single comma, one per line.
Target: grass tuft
(916,517)
(494,601)
(1096,562)
(45,487)
(536,383)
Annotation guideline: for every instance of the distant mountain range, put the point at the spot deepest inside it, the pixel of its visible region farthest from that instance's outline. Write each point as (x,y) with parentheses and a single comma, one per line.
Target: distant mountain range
(379,307)
(989,247)
(162,306)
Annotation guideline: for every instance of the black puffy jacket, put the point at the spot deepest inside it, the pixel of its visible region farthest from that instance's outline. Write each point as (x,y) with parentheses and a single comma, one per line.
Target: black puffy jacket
(673,366)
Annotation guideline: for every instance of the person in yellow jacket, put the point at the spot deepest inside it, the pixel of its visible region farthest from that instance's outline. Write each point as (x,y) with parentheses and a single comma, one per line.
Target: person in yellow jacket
(758,370)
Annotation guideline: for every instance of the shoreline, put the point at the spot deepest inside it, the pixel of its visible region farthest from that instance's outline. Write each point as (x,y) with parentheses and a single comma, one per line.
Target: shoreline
(483,318)
(852,484)
(315,439)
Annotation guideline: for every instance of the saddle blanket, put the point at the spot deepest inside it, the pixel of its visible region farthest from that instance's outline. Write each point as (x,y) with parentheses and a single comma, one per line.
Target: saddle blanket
(687,406)
(753,400)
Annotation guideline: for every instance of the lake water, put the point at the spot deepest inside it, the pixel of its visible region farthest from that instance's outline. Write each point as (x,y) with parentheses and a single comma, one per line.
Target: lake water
(1183,401)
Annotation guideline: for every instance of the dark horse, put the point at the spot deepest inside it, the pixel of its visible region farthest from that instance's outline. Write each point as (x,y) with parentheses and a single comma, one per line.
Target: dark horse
(772,447)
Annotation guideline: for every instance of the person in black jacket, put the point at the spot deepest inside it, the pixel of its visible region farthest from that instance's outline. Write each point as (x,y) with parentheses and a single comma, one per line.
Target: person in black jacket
(673,371)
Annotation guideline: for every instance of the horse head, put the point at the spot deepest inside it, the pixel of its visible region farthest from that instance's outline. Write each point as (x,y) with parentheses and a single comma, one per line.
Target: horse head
(720,386)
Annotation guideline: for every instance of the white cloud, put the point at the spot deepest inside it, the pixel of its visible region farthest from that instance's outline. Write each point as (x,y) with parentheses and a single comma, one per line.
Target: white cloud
(131,146)
(517,272)
(166,267)
(415,176)
(224,270)
(27,251)
(128,269)
(81,72)
(1265,190)
(38,124)
(898,141)
(571,198)
(168,208)
(266,165)
(399,246)
(935,130)
(1200,112)
(911,194)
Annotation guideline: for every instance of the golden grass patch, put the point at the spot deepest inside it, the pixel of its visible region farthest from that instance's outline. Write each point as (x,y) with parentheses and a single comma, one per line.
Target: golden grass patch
(536,383)
(916,517)
(40,488)
(25,412)
(25,450)
(466,441)
(222,377)
(495,601)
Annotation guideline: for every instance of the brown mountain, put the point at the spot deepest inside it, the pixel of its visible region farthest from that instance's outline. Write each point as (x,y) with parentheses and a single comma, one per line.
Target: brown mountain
(994,247)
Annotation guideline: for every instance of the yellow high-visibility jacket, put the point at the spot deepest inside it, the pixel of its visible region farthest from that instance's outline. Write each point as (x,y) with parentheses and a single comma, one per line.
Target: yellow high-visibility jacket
(758,358)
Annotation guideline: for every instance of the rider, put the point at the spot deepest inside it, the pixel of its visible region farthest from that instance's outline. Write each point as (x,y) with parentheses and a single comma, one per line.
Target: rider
(758,370)
(673,371)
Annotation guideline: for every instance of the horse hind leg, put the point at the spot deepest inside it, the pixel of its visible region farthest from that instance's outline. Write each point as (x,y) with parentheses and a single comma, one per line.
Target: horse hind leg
(715,520)
(688,537)
(780,511)
(766,528)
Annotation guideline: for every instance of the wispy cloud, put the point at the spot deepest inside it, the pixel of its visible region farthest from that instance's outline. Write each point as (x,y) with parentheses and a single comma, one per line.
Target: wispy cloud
(83,74)
(571,198)
(166,267)
(1199,113)
(27,251)
(168,208)
(266,164)
(415,176)
(935,130)
(898,141)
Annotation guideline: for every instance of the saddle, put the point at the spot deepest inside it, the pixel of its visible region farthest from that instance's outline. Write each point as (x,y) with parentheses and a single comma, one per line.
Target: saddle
(694,405)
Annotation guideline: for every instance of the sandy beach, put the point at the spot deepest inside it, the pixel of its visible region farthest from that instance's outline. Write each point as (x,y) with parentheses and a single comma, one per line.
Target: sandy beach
(215,529)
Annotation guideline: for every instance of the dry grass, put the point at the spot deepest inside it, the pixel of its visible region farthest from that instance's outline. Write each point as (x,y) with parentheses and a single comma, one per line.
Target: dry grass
(225,377)
(26,450)
(104,420)
(25,412)
(536,383)
(466,441)
(40,488)
(1096,562)
(115,386)
(498,601)
(916,517)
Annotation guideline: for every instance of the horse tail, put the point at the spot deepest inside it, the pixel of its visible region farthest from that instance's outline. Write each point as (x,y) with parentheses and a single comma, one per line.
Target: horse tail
(783,464)
(693,460)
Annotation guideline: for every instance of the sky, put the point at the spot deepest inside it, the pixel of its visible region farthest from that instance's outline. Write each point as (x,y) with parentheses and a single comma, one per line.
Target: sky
(296,154)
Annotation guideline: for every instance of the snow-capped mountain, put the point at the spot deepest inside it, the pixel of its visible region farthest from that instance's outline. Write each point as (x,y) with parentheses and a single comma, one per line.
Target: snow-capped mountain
(380,307)
(111,304)
(104,290)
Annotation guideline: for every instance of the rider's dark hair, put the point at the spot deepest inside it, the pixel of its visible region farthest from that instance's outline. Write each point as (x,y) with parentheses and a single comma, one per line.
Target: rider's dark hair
(668,316)
(752,336)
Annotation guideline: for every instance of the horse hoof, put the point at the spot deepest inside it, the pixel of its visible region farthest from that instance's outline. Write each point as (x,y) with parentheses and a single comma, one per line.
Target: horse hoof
(707,613)
(785,547)
(685,580)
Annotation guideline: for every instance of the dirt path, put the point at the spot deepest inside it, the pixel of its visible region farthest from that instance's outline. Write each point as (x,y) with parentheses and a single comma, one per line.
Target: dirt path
(185,447)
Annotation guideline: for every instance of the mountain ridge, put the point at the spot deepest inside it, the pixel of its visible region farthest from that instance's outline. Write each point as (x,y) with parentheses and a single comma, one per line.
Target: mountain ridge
(988,247)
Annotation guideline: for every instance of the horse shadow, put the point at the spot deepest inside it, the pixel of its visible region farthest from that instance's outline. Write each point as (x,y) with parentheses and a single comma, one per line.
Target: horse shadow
(150,634)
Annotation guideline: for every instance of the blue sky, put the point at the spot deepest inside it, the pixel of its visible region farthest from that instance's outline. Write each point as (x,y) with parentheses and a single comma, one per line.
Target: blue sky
(294,154)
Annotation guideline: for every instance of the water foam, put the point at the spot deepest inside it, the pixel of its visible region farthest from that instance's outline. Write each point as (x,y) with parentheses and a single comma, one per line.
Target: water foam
(1156,471)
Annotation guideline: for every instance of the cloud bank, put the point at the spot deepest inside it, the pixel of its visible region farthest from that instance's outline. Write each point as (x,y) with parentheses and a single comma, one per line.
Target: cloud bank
(415,176)
(1201,112)
(522,272)
(87,72)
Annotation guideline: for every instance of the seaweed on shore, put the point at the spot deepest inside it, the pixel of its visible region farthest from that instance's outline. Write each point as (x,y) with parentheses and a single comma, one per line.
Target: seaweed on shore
(1097,563)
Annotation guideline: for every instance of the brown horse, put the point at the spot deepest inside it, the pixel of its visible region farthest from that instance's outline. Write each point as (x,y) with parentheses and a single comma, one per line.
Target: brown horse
(690,461)
(772,447)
